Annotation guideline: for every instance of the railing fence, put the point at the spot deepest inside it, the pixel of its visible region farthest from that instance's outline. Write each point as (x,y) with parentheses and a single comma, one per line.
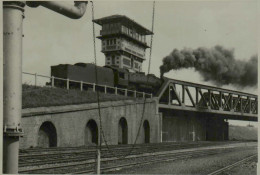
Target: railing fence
(51,81)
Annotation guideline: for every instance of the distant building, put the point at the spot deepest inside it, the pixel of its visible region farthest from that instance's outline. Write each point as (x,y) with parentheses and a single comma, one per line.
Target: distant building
(123,42)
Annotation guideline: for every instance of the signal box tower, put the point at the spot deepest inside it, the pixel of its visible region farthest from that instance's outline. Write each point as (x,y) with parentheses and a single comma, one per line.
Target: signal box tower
(123,42)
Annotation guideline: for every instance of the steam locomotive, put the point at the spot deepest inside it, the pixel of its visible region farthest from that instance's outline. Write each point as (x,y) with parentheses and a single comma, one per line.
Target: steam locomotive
(108,75)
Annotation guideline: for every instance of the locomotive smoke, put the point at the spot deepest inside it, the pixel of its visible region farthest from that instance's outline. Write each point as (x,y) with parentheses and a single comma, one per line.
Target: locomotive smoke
(217,65)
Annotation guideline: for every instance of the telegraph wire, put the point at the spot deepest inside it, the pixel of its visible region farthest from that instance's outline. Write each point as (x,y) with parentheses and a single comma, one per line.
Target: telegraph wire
(98,99)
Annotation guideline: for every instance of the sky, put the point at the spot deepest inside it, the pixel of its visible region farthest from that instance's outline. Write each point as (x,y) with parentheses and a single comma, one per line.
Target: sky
(52,39)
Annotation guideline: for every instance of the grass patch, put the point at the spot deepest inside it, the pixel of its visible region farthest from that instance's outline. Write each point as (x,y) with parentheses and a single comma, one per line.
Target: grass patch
(46,96)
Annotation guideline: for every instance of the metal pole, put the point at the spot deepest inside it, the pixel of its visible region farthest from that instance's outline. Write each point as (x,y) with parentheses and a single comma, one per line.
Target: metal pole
(74,12)
(12,48)
(98,159)
(94,87)
(99,150)
(116,90)
(52,81)
(35,79)
(12,71)
(81,85)
(193,134)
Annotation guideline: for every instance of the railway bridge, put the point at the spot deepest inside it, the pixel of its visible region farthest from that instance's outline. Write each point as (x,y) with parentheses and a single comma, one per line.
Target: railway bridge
(180,111)
(193,111)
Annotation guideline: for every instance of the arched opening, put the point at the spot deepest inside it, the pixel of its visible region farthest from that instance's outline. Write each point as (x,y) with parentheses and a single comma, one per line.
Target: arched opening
(47,135)
(122,131)
(91,133)
(146,127)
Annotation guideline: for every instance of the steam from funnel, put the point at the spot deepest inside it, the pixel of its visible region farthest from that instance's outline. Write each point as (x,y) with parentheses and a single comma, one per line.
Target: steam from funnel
(217,65)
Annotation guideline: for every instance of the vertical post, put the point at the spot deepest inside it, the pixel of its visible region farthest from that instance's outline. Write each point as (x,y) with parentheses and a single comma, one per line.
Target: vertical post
(94,87)
(35,79)
(99,149)
(209,91)
(231,102)
(241,105)
(116,90)
(183,94)
(98,158)
(81,86)
(125,92)
(220,100)
(193,134)
(105,89)
(169,96)
(250,107)
(135,93)
(52,81)
(143,95)
(68,84)
(197,96)
(12,86)
(151,95)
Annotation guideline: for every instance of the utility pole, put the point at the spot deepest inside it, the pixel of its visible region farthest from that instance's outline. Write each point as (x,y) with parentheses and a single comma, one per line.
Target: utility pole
(13,14)
(99,151)
(99,143)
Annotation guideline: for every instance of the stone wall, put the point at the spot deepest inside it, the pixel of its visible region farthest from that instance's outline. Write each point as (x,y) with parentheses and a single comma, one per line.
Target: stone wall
(191,126)
(70,122)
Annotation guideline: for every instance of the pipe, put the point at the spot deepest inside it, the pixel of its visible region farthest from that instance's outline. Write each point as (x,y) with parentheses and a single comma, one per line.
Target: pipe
(12,71)
(13,14)
(74,12)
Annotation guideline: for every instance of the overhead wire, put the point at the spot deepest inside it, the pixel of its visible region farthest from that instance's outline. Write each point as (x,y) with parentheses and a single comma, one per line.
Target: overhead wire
(98,98)
(98,146)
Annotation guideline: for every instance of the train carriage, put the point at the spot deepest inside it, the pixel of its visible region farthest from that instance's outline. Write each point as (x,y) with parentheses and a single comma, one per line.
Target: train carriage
(108,75)
(84,72)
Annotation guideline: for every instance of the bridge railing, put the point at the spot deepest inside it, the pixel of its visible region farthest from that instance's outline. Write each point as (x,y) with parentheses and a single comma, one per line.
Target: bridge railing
(186,94)
(51,81)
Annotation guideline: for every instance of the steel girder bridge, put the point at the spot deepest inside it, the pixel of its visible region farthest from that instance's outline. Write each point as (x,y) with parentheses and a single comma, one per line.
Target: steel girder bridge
(198,98)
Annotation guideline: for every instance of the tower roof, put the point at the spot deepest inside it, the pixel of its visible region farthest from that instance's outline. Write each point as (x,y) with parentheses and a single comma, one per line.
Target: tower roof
(124,20)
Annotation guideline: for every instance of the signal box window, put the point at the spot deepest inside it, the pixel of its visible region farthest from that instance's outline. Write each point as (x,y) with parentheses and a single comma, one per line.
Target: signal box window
(113,60)
(121,75)
(136,65)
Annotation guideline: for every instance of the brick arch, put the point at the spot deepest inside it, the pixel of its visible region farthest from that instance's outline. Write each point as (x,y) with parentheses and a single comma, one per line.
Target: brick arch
(122,131)
(91,133)
(47,135)
(146,130)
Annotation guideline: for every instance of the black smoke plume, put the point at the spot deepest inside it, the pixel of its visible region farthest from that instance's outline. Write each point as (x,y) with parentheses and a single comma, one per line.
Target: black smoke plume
(217,65)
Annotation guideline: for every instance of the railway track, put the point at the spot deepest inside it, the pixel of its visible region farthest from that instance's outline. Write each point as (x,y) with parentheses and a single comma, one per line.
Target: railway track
(111,163)
(158,158)
(93,148)
(240,162)
(54,155)
(118,147)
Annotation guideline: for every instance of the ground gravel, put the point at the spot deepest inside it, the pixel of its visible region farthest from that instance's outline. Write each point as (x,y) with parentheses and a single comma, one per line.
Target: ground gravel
(202,165)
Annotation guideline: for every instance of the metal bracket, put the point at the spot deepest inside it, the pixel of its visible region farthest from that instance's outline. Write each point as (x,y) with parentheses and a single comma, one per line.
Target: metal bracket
(14,4)
(13,132)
